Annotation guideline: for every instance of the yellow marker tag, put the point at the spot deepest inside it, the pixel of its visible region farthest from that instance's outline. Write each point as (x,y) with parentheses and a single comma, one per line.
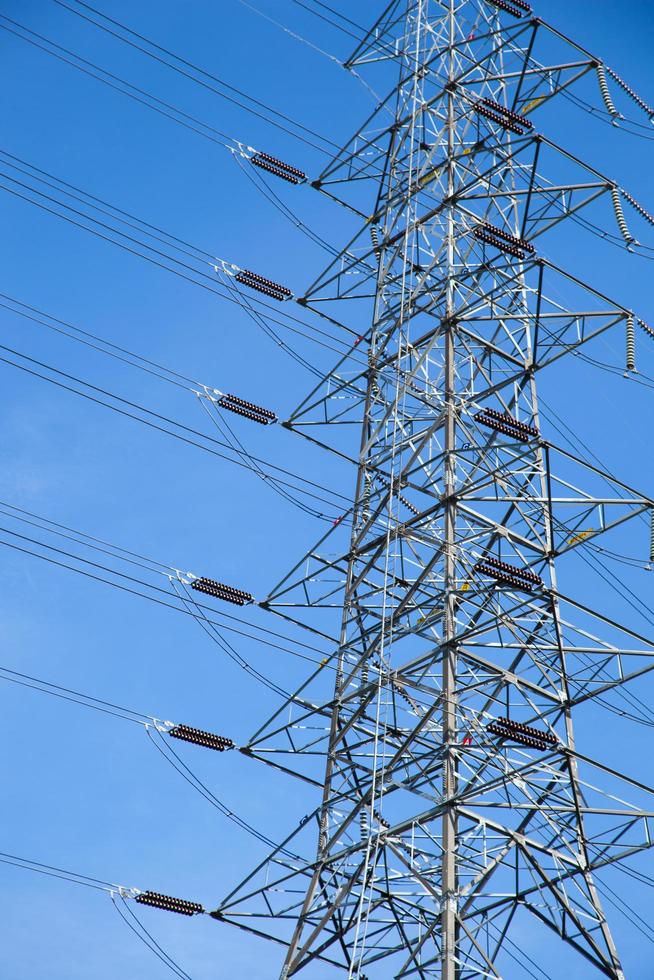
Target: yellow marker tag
(465,587)
(467,152)
(429,176)
(533,104)
(581,536)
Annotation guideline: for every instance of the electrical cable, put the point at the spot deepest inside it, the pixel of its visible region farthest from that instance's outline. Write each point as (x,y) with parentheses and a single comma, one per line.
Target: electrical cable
(196,610)
(237,296)
(172,112)
(258,180)
(87,540)
(114,82)
(310,44)
(605,117)
(245,460)
(274,483)
(627,910)
(189,122)
(287,30)
(99,344)
(636,874)
(117,214)
(47,869)
(147,939)
(206,280)
(164,54)
(148,722)
(360,37)
(75,697)
(166,750)
(519,951)
(258,636)
(231,446)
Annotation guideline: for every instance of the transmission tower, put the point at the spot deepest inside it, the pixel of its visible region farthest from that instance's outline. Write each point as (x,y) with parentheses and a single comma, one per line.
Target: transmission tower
(451,803)
(453,796)
(437,734)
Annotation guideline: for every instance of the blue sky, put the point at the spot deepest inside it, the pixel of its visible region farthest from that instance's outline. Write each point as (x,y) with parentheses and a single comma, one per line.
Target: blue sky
(88,792)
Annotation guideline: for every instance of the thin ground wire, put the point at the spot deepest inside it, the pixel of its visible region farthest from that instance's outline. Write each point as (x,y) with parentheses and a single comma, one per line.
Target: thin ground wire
(360,37)
(310,44)
(287,30)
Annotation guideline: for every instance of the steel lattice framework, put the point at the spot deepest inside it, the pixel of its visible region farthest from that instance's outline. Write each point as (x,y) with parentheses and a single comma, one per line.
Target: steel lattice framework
(453,795)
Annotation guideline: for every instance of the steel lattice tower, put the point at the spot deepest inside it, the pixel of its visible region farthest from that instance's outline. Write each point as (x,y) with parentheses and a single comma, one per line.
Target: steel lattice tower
(453,795)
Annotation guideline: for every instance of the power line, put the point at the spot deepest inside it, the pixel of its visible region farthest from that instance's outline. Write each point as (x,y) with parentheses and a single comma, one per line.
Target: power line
(97,343)
(47,869)
(173,759)
(149,722)
(175,114)
(360,36)
(114,82)
(114,891)
(261,633)
(168,58)
(244,458)
(75,697)
(206,274)
(145,937)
